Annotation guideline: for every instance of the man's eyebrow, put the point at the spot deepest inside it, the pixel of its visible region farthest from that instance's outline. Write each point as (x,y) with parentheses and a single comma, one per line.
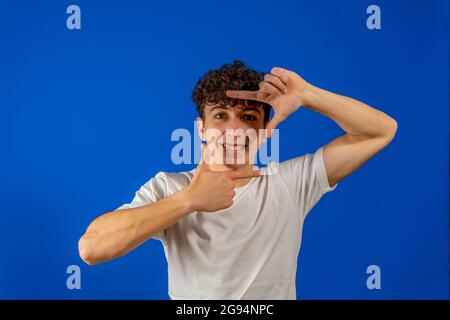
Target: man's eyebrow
(252,108)
(244,108)
(220,107)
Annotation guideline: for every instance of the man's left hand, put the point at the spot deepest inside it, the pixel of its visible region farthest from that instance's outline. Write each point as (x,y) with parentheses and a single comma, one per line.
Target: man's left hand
(282,89)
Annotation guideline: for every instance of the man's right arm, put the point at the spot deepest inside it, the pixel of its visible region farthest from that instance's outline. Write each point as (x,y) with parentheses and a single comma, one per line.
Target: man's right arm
(116,233)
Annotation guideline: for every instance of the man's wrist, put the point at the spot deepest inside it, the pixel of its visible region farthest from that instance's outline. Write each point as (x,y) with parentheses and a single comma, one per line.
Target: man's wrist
(309,95)
(185,197)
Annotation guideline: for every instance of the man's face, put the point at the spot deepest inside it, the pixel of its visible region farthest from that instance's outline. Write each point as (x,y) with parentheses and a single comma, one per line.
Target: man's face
(232,133)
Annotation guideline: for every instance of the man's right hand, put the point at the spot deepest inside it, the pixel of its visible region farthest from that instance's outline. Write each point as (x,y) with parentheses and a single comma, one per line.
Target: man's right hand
(214,190)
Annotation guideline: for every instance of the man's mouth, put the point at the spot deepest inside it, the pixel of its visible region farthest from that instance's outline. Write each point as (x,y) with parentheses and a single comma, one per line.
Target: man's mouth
(233,147)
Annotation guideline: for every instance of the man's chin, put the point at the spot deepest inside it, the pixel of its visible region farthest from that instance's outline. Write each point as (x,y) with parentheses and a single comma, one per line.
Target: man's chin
(234,160)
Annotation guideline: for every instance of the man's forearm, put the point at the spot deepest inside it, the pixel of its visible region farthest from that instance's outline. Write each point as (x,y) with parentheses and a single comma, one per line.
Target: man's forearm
(354,117)
(118,232)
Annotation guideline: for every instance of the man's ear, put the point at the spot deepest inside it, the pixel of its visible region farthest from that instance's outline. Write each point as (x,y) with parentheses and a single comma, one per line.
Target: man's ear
(201,128)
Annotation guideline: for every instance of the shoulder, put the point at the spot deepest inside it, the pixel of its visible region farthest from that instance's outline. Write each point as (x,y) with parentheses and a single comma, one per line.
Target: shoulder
(290,166)
(169,182)
(303,167)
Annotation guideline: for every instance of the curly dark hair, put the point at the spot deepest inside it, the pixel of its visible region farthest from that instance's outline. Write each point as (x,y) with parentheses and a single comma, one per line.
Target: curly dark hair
(211,87)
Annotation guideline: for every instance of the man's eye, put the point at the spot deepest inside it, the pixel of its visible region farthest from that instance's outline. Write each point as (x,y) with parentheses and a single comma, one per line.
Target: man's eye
(220,115)
(249,117)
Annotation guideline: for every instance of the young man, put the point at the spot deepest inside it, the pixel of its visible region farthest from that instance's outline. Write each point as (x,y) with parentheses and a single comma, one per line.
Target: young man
(228,231)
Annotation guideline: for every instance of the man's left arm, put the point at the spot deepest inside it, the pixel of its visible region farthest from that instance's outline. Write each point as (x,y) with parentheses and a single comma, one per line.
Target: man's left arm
(367,130)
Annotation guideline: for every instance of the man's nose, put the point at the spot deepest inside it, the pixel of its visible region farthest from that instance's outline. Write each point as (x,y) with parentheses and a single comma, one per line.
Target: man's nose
(235,134)
(235,130)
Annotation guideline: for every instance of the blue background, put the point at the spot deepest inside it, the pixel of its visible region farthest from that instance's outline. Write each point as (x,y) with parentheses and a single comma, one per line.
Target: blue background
(86,118)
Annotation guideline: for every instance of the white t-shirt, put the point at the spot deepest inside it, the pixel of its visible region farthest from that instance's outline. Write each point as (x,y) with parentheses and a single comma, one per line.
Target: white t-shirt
(246,251)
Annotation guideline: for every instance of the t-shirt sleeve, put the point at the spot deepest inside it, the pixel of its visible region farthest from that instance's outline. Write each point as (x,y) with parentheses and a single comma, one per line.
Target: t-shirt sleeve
(155,189)
(306,180)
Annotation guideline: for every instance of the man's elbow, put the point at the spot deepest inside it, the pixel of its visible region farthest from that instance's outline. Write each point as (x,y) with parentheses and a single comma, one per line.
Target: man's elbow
(390,129)
(393,127)
(86,251)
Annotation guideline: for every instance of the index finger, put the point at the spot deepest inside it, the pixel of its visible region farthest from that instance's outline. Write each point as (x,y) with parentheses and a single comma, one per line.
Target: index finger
(244,174)
(242,94)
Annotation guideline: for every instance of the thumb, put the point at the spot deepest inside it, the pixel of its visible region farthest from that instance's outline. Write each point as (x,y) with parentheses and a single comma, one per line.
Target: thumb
(274,122)
(205,158)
